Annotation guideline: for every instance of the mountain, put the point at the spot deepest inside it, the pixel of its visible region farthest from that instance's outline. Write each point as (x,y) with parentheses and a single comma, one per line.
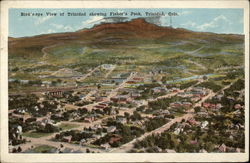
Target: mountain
(132,32)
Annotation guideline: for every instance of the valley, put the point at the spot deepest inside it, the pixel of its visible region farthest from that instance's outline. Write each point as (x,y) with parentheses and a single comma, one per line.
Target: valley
(127,87)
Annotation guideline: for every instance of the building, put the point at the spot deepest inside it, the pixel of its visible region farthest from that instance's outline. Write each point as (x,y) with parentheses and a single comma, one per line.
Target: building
(111,129)
(120,119)
(223,148)
(121,99)
(107,66)
(159,90)
(115,138)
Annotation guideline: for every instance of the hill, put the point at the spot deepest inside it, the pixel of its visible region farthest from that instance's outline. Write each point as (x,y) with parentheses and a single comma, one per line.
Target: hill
(126,33)
(133,46)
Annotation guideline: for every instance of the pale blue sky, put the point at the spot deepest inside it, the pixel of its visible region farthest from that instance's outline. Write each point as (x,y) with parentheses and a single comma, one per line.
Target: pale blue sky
(204,20)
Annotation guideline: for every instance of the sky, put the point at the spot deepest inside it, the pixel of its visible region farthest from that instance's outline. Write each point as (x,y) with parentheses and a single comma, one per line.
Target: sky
(203,20)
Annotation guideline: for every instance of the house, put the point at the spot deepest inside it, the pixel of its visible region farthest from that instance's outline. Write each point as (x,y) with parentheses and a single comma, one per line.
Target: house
(135,95)
(107,66)
(193,142)
(222,148)
(99,98)
(122,99)
(202,114)
(238,106)
(170,151)
(46,121)
(218,97)
(67,139)
(165,112)
(96,126)
(175,90)
(198,89)
(192,121)
(19,129)
(89,119)
(237,150)
(159,90)
(202,151)
(103,104)
(114,138)
(178,130)
(186,104)
(130,82)
(204,124)
(111,129)
(138,79)
(195,99)
(208,105)
(24,81)
(122,120)
(175,104)
(199,94)
(100,106)
(105,146)
(82,97)
(218,106)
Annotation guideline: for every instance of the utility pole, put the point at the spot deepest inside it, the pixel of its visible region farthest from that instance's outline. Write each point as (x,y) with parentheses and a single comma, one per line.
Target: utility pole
(170,20)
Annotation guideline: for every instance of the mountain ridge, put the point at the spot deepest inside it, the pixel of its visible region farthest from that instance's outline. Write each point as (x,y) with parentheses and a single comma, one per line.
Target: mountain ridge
(114,34)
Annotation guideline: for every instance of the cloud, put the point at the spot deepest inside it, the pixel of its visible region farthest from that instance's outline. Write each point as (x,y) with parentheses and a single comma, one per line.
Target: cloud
(61,27)
(184,13)
(189,24)
(215,23)
(48,31)
(58,26)
(164,20)
(92,20)
(41,20)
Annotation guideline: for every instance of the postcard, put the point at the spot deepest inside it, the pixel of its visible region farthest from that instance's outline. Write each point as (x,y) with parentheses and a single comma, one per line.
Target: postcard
(128,81)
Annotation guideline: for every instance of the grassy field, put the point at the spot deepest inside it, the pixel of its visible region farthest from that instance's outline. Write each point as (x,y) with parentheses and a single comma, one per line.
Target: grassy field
(66,126)
(36,134)
(175,59)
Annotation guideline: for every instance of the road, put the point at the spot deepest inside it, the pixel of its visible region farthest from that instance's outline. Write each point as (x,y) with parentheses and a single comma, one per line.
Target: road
(190,113)
(46,140)
(126,147)
(45,54)
(197,64)
(89,73)
(195,51)
(112,93)
(92,92)
(110,71)
(230,67)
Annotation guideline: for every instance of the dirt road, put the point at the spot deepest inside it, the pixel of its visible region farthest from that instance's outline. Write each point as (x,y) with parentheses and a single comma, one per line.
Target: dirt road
(128,146)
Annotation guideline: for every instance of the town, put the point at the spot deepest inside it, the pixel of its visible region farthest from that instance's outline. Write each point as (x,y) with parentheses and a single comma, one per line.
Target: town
(128,112)
(127,86)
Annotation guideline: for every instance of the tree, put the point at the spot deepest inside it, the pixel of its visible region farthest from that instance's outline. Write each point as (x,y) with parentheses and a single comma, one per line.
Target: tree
(19,149)
(197,109)
(53,83)
(126,114)
(59,80)
(49,128)
(14,150)
(204,77)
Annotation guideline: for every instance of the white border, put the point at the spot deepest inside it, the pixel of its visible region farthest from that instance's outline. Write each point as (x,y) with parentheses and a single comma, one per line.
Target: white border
(122,157)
